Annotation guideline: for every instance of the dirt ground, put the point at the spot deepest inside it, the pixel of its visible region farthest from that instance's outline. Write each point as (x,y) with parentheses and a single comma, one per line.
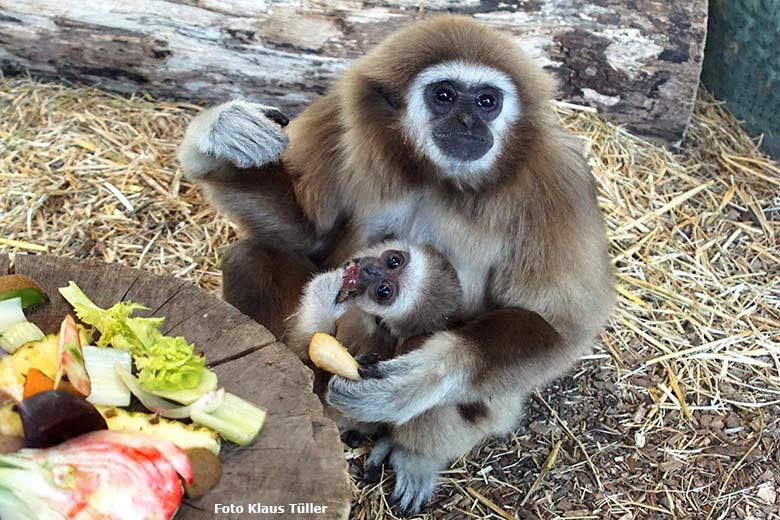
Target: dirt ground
(674,415)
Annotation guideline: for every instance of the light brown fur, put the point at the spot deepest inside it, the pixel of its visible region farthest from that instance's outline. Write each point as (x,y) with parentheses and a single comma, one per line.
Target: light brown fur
(528,243)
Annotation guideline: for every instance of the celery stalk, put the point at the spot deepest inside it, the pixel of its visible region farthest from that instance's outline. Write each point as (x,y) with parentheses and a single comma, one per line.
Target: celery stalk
(237,420)
(13,507)
(107,388)
(18,334)
(11,313)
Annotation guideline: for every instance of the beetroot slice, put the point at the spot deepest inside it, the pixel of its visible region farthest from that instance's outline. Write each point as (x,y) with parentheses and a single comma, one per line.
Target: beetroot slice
(52,417)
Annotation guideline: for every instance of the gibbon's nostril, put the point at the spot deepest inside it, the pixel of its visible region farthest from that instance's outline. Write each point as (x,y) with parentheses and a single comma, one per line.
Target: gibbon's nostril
(371,272)
(466,119)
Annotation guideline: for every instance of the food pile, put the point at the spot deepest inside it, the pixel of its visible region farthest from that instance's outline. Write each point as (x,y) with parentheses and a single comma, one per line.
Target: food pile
(70,446)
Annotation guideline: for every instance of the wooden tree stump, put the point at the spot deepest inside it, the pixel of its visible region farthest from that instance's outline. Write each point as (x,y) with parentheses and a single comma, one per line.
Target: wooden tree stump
(298,456)
(637,62)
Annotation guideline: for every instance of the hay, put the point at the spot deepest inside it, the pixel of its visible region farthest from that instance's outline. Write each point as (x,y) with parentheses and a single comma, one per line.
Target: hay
(674,415)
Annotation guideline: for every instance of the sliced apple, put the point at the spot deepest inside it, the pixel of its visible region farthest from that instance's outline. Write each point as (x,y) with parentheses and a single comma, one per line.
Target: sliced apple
(70,367)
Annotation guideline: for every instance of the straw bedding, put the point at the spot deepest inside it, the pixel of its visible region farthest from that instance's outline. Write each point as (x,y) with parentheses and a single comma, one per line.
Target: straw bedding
(674,415)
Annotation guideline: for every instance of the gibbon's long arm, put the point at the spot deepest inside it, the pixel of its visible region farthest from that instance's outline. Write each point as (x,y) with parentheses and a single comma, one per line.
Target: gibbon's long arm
(508,347)
(318,311)
(234,152)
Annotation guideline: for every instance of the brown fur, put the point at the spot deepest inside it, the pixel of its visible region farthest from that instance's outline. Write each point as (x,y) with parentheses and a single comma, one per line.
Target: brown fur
(534,224)
(542,196)
(254,282)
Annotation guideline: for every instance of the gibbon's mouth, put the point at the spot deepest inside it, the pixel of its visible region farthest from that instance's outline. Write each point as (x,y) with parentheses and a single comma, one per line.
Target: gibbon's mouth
(462,146)
(350,284)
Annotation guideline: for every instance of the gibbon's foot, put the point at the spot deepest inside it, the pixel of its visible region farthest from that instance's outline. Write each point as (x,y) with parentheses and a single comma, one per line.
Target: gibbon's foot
(372,471)
(415,480)
(238,132)
(354,438)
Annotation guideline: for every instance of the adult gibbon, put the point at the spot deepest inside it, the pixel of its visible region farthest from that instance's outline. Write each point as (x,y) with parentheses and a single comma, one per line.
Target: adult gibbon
(442,135)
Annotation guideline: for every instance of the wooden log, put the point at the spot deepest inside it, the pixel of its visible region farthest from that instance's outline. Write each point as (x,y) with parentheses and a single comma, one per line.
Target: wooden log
(637,62)
(298,456)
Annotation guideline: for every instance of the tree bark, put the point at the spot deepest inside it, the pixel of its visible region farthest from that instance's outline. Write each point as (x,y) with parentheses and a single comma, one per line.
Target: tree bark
(637,62)
(298,455)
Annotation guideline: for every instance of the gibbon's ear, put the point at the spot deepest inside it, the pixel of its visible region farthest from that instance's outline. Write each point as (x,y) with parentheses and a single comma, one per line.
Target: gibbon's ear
(384,93)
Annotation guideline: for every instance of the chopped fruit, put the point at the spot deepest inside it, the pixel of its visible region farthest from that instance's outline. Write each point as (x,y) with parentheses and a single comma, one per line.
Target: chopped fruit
(13,369)
(185,436)
(19,286)
(206,471)
(329,354)
(10,422)
(71,358)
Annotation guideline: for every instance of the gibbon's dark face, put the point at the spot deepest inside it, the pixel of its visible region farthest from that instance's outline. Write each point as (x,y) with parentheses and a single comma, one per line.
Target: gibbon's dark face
(379,278)
(460,115)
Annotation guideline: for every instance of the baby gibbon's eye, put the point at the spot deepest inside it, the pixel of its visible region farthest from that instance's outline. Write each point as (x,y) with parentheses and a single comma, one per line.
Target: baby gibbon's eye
(394,261)
(384,291)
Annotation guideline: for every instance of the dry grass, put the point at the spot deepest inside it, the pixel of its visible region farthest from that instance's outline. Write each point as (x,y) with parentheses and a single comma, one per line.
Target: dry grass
(675,415)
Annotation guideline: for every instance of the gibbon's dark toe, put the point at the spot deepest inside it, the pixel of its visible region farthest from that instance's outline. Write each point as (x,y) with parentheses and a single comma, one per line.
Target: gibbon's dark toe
(369,365)
(371,371)
(353,438)
(372,473)
(368,358)
(277,117)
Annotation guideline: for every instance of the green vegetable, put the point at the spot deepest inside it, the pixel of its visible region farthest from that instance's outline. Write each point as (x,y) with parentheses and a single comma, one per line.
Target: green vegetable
(208,402)
(18,285)
(208,383)
(164,363)
(18,334)
(236,420)
(13,508)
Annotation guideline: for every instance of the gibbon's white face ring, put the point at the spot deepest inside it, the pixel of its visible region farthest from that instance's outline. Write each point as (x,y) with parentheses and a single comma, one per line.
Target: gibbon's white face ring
(418,117)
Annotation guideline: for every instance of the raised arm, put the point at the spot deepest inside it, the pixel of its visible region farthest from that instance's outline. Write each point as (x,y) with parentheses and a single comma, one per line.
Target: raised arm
(233,151)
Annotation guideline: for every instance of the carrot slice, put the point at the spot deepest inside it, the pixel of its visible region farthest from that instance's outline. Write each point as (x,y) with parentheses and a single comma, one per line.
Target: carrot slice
(36,383)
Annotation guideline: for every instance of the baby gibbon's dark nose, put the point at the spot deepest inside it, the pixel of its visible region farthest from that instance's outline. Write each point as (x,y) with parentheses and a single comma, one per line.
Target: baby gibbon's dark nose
(371,270)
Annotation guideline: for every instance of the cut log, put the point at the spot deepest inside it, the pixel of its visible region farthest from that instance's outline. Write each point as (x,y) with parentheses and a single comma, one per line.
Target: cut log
(298,456)
(637,62)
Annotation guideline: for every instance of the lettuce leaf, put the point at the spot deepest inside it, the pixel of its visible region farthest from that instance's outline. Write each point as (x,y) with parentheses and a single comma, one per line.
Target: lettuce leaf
(164,363)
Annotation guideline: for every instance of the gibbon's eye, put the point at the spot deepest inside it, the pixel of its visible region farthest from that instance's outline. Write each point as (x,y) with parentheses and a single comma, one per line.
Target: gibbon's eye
(445,94)
(486,101)
(394,261)
(384,291)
